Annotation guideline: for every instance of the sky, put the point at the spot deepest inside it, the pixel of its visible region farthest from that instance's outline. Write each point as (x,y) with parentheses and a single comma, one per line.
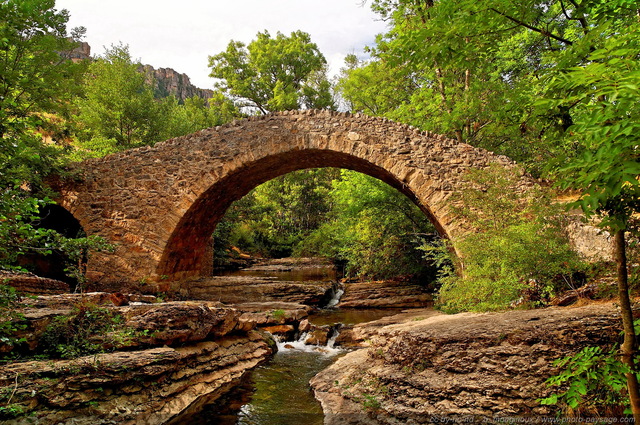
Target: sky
(183,34)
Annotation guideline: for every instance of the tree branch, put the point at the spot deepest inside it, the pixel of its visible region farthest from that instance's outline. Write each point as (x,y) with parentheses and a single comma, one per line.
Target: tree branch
(532,28)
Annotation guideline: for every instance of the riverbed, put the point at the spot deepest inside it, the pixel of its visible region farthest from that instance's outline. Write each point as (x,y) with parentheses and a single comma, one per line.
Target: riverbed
(278,392)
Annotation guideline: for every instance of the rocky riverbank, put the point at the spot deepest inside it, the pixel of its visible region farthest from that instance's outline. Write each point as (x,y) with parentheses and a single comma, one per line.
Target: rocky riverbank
(464,368)
(159,359)
(309,281)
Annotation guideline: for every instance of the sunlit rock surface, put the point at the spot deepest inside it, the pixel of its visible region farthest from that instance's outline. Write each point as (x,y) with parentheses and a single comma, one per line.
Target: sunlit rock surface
(459,368)
(385,295)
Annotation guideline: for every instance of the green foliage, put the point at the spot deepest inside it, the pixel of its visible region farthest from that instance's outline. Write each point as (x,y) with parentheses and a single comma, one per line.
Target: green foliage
(18,235)
(76,252)
(21,235)
(118,109)
(370,402)
(118,103)
(476,70)
(35,77)
(373,227)
(519,252)
(10,319)
(591,381)
(88,330)
(12,410)
(274,74)
(196,114)
(338,214)
(604,96)
(273,218)
(278,315)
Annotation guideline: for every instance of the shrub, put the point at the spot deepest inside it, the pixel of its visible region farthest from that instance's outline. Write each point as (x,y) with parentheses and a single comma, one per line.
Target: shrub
(519,253)
(10,319)
(592,382)
(88,330)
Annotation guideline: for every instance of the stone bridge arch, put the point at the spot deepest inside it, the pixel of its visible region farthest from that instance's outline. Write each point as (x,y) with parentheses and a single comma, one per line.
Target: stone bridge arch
(160,204)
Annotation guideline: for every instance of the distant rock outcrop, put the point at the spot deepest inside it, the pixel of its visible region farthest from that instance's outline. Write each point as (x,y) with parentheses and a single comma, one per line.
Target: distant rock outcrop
(81,52)
(168,82)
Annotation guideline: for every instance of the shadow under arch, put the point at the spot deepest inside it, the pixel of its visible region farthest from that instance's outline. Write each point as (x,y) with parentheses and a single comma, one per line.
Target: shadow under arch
(58,218)
(188,251)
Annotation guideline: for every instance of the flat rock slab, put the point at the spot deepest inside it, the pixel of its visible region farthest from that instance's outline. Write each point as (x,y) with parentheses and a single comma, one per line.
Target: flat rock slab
(463,367)
(242,289)
(384,295)
(31,284)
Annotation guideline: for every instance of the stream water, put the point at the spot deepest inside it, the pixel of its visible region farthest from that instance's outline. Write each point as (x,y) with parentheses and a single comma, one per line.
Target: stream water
(278,392)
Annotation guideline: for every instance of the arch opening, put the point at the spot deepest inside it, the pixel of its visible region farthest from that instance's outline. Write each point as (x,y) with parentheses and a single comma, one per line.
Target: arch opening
(189,251)
(53,265)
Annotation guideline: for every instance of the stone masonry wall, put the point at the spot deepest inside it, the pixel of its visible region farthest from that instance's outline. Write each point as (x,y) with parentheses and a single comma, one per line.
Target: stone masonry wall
(160,204)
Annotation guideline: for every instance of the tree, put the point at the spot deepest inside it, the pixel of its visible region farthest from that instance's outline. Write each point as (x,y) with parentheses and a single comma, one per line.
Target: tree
(274,74)
(519,250)
(35,79)
(197,113)
(478,68)
(603,95)
(374,87)
(371,226)
(118,107)
(576,94)
(277,215)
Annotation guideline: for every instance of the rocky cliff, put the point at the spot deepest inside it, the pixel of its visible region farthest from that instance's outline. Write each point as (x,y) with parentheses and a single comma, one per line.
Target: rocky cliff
(179,353)
(168,82)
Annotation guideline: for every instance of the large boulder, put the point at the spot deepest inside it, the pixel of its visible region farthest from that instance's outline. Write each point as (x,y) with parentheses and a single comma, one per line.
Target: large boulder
(459,368)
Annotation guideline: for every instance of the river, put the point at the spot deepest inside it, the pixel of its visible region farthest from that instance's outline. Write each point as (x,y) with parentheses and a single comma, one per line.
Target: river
(278,392)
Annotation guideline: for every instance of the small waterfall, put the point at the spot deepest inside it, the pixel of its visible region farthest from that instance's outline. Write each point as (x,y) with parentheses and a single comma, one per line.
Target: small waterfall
(300,344)
(337,292)
(334,336)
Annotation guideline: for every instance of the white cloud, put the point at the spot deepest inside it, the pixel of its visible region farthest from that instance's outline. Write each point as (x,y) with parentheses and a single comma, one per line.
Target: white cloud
(182,35)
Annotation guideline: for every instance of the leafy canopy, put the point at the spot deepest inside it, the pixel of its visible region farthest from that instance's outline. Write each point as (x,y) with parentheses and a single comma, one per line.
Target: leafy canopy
(274,74)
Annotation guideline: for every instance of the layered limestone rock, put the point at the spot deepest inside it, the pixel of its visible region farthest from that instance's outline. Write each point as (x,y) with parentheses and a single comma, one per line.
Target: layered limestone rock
(148,386)
(241,289)
(155,324)
(168,356)
(384,295)
(463,368)
(31,284)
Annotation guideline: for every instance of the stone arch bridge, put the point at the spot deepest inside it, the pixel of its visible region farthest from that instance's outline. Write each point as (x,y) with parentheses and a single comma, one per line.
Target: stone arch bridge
(159,205)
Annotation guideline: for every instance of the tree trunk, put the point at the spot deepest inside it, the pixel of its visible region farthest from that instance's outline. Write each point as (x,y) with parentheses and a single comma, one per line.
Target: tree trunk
(628,348)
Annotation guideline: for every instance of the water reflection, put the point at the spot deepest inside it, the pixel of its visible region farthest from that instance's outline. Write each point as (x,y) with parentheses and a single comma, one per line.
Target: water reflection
(275,393)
